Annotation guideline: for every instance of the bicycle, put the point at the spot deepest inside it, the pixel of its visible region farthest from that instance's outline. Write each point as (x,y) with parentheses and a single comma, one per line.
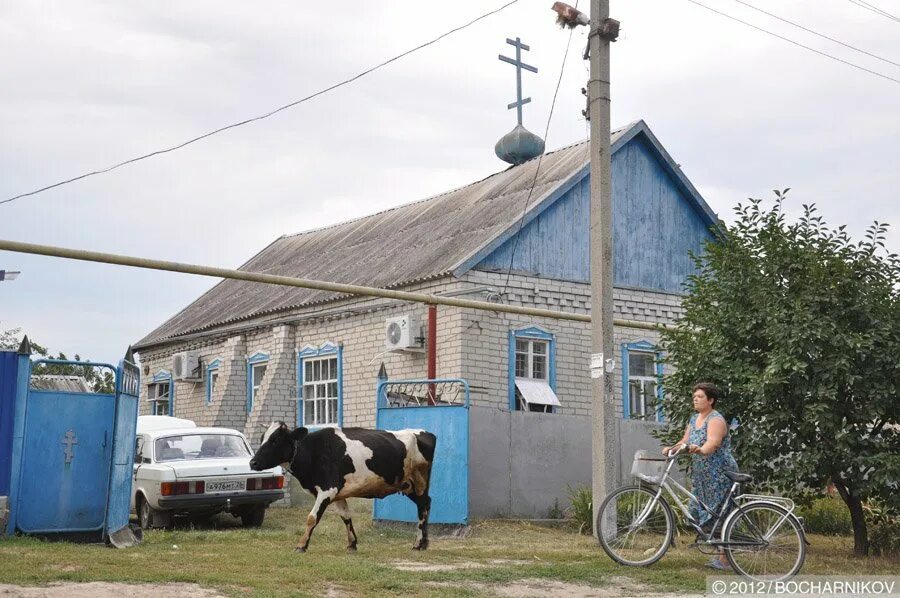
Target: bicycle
(760,535)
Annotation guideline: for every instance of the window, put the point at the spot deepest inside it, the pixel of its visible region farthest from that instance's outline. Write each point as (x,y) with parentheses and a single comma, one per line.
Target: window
(641,389)
(138,449)
(320,385)
(159,394)
(320,391)
(212,380)
(191,447)
(532,379)
(256,373)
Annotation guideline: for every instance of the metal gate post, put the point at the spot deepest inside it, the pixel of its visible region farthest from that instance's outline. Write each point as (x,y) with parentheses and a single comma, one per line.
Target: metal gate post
(23,380)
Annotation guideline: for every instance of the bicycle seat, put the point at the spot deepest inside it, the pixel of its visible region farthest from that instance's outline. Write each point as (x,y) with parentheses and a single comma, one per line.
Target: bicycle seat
(740,478)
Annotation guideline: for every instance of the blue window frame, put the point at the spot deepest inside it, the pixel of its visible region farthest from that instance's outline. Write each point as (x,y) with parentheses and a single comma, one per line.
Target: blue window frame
(212,377)
(642,372)
(161,393)
(320,385)
(257,365)
(532,354)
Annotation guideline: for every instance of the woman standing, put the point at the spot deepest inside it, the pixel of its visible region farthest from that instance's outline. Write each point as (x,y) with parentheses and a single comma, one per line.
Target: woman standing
(707,439)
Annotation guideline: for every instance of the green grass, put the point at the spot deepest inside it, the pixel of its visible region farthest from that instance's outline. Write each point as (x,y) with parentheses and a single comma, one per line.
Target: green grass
(235,561)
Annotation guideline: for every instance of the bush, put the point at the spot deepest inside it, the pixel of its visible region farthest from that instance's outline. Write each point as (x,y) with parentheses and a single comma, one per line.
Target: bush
(582,509)
(828,516)
(884,529)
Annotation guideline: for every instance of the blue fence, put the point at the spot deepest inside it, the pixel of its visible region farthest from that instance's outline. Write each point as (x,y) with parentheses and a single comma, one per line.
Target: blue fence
(72,454)
(8,375)
(440,406)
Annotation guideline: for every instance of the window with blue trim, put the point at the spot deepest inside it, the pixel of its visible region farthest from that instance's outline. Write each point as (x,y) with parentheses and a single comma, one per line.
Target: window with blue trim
(256,373)
(532,370)
(320,385)
(641,388)
(212,379)
(159,394)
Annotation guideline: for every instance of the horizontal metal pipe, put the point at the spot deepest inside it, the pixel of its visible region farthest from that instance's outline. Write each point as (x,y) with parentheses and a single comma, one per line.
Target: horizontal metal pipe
(303,283)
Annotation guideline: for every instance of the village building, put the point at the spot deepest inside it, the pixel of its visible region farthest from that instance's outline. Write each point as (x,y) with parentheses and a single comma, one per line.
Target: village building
(245,354)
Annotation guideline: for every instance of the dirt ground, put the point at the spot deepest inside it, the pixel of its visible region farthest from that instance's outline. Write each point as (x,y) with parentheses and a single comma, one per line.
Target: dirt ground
(526,588)
(109,590)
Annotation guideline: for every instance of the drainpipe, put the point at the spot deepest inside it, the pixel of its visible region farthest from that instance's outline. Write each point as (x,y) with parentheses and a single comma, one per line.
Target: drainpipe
(432,351)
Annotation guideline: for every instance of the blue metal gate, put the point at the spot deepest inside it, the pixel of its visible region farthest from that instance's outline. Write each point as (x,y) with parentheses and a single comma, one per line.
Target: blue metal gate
(72,454)
(442,408)
(8,375)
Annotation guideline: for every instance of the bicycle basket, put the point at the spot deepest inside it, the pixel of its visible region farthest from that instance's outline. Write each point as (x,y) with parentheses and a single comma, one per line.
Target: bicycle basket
(648,466)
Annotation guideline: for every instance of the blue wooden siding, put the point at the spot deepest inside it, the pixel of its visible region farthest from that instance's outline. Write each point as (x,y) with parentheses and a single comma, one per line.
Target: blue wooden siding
(655,224)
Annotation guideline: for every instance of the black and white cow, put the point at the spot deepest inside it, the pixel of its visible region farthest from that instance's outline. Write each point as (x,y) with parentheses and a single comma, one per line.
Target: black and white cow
(334,464)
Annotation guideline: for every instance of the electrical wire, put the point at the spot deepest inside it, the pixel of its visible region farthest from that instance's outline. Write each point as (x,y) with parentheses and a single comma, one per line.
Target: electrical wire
(796,43)
(875,9)
(267,114)
(822,35)
(537,169)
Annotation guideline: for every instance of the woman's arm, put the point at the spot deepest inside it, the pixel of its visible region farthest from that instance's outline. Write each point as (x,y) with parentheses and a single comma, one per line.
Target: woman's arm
(715,434)
(684,439)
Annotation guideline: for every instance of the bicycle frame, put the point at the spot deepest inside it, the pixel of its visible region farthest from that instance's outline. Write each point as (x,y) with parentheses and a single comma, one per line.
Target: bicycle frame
(729,509)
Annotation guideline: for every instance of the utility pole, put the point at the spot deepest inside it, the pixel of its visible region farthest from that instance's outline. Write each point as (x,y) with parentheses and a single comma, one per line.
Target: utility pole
(603,426)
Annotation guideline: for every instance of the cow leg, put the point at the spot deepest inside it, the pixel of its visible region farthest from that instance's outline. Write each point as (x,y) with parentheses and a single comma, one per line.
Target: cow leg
(344,511)
(423,504)
(323,499)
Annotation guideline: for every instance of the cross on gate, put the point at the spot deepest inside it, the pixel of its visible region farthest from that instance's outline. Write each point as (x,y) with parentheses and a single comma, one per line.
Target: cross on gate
(517,43)
(69,441)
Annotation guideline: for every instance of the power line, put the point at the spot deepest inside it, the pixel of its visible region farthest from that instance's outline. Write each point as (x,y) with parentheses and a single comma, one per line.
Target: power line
(267,114)
(822,35)
(875,9)
(796,43)
(537,169)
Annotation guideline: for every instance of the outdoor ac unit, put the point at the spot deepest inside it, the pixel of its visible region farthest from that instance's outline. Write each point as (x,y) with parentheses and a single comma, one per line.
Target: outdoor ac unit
(186,366)
(401,333)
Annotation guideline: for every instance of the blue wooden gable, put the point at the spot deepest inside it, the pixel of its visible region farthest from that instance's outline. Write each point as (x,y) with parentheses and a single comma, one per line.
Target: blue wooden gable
(658,217)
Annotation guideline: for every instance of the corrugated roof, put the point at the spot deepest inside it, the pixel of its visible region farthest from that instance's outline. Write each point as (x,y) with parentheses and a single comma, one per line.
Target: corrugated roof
(413,242)
(61,383)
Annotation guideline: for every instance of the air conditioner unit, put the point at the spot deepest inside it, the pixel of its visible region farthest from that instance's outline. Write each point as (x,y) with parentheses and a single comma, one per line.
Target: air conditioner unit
(401,334)
(186,366)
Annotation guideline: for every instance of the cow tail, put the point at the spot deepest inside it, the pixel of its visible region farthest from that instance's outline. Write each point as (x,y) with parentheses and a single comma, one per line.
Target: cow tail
(427,443)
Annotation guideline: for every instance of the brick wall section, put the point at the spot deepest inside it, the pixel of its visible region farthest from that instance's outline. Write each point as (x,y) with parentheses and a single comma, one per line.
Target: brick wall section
(472,344)
(485,356)
(276,398)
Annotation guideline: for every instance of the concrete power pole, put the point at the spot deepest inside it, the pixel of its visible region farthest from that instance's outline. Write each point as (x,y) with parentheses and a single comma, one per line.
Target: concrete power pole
(604,446)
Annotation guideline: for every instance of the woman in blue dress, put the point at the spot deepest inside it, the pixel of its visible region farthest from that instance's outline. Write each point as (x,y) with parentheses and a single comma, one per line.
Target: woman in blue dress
(707,439)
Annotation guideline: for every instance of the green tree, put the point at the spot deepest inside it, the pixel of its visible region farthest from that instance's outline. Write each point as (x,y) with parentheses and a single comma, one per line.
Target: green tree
(800,326)
(98,378)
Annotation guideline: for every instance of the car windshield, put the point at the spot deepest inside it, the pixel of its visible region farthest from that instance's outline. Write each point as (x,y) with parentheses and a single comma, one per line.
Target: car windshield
(191,447)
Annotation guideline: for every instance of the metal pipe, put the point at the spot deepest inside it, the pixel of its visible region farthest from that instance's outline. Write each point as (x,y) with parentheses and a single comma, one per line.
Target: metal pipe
(347,289)
(432,351)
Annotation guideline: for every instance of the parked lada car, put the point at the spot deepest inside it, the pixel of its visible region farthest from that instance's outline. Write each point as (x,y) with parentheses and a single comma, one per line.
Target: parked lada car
(182,469)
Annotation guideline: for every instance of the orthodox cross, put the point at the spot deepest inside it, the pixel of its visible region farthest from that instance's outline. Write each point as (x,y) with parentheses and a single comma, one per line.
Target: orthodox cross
(69,441)
(519,46)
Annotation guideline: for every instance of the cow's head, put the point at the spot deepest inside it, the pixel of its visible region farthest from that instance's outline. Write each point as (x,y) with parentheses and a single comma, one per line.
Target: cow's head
(276,446)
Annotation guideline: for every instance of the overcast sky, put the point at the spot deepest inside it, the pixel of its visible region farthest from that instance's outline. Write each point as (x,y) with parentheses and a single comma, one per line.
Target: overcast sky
(87,84)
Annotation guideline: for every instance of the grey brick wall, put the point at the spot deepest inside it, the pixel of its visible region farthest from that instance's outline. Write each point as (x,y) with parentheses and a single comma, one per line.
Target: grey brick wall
(472,344)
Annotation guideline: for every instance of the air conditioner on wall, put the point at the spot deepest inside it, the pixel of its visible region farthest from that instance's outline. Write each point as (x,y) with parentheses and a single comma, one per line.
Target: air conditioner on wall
(401,333)
(186,366)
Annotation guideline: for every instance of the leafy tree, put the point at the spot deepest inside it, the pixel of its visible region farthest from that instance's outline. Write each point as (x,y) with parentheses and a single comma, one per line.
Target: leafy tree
(800,326)
(99,379)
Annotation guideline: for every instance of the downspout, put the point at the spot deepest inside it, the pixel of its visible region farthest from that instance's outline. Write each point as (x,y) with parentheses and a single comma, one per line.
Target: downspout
(432,351)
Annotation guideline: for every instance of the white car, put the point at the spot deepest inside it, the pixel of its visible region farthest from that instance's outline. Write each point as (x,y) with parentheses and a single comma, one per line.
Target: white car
(180,469)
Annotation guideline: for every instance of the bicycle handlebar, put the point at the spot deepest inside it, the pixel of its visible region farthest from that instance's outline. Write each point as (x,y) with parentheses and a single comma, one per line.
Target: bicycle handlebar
(677,450)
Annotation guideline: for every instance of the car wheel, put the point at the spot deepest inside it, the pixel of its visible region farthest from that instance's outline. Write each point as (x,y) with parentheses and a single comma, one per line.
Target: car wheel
(253,516)
(150,517)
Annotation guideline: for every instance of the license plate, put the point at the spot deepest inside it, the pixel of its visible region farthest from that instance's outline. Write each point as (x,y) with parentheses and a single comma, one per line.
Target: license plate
(230,486)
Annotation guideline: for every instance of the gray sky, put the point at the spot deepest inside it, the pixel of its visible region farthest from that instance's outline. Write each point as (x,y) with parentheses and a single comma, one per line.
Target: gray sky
(86,84)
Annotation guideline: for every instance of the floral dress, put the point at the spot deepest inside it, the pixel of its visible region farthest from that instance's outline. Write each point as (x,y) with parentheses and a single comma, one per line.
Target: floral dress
(707,475)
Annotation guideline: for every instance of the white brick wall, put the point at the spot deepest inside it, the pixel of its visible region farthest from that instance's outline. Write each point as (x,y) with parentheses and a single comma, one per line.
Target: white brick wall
(472,344)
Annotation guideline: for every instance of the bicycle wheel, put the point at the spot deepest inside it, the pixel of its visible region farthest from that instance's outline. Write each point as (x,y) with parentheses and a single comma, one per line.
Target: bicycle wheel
(769,542)
(632,529)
